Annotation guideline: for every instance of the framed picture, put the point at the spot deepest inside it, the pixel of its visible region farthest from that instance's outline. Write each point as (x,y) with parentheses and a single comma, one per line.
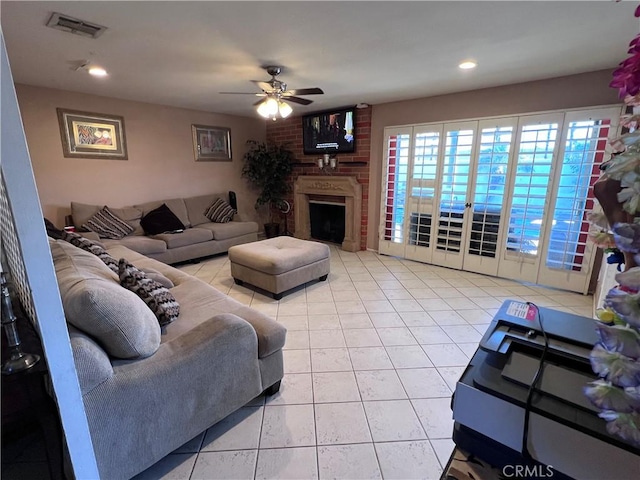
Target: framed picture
(92,135)
(211,144)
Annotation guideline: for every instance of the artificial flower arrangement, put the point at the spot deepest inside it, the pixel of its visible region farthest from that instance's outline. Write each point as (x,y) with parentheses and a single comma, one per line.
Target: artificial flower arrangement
(616,357)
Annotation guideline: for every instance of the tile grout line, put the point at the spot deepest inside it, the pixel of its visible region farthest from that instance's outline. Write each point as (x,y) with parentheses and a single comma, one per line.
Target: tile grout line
(255,467)
(315,421)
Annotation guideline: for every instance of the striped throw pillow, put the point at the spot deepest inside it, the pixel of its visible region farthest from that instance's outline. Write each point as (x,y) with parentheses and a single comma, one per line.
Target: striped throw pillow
(87,245)
(157,297)
(106,224)
(219,211)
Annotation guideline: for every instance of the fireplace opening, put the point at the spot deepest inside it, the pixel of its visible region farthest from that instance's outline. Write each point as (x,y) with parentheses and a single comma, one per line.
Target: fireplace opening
(327,221)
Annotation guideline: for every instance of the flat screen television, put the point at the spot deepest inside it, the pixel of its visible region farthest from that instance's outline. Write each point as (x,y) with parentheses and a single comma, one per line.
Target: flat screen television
(331,131)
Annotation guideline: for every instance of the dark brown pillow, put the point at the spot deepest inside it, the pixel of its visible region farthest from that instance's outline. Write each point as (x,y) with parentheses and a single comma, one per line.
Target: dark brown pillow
(161,220)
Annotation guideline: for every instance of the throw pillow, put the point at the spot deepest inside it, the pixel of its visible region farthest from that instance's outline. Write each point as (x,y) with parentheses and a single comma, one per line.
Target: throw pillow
(52,230)
(158,298)
(219,211)
(87,245)
(161,220)
(106,224)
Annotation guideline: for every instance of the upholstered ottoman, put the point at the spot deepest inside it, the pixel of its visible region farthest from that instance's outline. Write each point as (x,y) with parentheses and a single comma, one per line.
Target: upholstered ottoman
(279,264)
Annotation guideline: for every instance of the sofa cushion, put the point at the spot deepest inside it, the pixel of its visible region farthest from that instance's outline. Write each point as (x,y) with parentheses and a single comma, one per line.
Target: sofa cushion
(139,243)
(93,236)
(71,258)
(190,236)
(219,211)
(82,212)
(95,303)
(106,224)
(92,362)
(89,246)
(202,301)
(196,206)
(224,231)
(158,298)
(155,275)
(176,205)
(161,220)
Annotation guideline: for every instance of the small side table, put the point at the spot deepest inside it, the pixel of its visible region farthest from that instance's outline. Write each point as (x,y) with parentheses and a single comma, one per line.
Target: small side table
(26,402)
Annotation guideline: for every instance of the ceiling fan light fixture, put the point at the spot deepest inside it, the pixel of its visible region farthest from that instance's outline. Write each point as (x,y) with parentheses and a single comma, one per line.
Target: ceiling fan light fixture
(285,109)
(273,107)
(275,93)
(262,110)
(97,72)
(468,65)
(268,108)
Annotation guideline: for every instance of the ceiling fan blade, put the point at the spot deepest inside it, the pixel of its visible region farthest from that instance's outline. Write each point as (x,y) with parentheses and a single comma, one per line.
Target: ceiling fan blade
(243,93)
(266,86)
(301,101)
(305,91)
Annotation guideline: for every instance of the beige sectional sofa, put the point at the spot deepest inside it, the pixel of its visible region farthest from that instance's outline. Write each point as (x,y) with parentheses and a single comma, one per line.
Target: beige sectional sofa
(147,390)
(201,237)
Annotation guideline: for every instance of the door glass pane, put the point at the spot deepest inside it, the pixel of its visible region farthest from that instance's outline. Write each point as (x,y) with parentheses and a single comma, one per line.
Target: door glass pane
(396,186)
(535,156)
(584,152)
(491,176)
(423,176)
(453,194)
(425,162)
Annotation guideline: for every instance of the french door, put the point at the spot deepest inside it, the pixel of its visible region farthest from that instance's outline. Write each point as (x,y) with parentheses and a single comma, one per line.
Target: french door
(504,196)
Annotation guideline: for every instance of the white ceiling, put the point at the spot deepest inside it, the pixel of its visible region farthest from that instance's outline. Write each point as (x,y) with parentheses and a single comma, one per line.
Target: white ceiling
(183,53)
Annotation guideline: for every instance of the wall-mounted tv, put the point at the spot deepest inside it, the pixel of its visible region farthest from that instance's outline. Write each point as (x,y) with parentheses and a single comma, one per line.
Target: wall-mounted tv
(331,131)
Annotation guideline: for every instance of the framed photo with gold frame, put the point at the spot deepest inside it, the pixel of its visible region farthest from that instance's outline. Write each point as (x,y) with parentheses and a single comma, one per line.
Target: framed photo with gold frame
(211,144)
(92,135)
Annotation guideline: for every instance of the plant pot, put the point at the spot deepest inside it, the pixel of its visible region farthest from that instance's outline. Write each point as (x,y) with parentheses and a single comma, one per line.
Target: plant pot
(271,230)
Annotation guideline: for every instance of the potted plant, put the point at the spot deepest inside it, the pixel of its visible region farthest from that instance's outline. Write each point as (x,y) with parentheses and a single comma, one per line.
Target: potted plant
(267,167)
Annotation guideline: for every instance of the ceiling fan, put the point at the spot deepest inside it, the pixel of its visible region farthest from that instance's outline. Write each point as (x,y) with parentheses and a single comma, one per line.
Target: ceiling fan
(275,94)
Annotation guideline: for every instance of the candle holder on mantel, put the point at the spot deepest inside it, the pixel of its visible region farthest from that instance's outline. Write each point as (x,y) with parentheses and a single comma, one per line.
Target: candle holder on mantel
(18,360)
(327,163)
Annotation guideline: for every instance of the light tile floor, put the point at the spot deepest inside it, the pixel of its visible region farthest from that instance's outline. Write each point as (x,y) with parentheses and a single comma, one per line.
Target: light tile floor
(371,360)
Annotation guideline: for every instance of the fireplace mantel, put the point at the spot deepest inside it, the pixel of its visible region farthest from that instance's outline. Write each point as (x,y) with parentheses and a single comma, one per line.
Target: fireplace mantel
(347,187)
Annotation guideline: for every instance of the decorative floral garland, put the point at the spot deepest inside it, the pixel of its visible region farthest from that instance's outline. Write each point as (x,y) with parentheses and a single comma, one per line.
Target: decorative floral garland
(616,357)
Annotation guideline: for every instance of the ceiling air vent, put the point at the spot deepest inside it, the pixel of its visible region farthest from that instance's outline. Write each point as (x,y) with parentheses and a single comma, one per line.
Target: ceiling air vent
(74,25)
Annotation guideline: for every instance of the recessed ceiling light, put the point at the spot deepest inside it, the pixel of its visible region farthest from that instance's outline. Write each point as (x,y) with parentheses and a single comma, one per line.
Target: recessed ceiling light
(468,65)
(97,72)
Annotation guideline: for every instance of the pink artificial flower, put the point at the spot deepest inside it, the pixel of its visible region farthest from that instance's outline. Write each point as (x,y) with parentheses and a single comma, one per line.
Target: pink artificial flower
(626,78)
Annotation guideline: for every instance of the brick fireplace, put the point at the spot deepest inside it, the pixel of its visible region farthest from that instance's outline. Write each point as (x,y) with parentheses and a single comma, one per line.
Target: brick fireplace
(350,165)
